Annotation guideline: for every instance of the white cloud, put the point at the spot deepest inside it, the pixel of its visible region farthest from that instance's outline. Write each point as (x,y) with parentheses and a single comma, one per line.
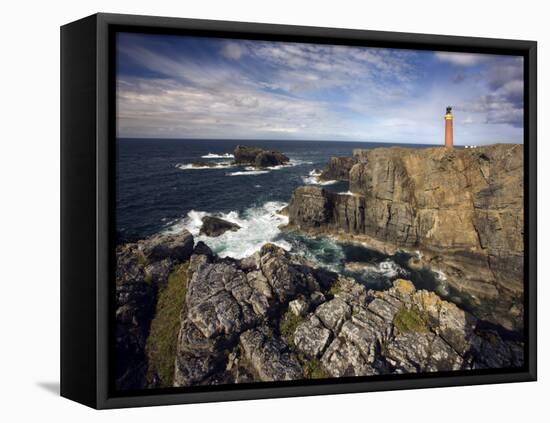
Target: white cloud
(461,59)
(233,50)
(306,91)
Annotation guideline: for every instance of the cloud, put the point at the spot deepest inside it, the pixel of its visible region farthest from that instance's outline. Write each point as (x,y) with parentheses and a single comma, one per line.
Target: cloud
(461,59)
(212,88)
(233,51)
(503,100)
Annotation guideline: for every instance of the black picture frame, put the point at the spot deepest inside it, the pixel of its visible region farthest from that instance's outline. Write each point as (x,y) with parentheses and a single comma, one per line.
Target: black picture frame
(87,197)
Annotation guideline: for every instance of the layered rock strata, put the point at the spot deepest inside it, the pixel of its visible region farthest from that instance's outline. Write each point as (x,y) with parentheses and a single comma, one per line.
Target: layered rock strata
(462,209)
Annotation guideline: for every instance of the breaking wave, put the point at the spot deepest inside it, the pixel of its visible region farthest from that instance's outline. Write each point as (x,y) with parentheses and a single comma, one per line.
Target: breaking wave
(190,166)
(218,156)
(251,170)
(313,178)
(259,225)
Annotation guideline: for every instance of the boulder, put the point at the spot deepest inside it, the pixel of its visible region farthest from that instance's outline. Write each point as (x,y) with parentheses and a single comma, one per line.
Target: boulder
(215,226)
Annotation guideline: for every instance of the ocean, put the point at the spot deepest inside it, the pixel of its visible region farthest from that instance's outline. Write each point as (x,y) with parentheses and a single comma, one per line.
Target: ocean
(157,190)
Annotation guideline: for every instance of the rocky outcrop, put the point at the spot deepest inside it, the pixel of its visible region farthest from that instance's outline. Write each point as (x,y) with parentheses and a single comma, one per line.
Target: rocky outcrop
(215,226)
(273,317)
(141,268)
(463,209)
(338,169)
(257,157)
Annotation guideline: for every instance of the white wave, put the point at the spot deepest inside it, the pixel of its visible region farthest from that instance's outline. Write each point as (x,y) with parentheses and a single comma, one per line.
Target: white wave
(442,287)
(387,268)
(390,269)
(346,193)
(218,156)
(247,173)
(259,225)
(313,178)
(190,166)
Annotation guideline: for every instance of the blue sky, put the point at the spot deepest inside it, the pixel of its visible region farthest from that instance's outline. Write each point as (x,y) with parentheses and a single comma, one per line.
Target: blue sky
(193,87)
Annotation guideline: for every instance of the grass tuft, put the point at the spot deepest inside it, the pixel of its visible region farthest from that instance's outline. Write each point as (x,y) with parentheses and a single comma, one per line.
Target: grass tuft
(314,370)
(163,335)
(410,320)
(287,326)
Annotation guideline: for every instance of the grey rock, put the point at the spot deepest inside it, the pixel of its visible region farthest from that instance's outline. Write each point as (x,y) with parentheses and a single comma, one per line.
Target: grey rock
(333,313)
(268,357)
(178,246)
(215,226)
(338,169)
(257,157)
(462,208)
(311,337)
(298,307)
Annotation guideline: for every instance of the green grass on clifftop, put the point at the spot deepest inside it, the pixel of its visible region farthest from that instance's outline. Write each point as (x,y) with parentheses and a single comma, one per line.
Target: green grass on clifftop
(410,320)
(287,326)
(314,370)
(163,335)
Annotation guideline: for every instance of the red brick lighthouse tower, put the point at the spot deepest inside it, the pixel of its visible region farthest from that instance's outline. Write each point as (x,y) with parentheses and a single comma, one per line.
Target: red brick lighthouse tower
(449,128)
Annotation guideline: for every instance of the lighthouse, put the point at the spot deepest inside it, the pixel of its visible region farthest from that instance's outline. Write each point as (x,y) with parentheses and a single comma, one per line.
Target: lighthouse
(449,128)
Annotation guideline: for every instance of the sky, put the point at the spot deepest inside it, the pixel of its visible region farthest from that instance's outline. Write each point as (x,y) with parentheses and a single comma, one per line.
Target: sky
(172,86)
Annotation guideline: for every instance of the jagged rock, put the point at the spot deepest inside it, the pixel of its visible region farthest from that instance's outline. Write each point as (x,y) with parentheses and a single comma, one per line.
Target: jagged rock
(463,208)
(338,169)
(298,307)
(230,329)
(268,358)
(173,246)
(141,268)
(284,278)
(333,313)
(257,157)
(421,352)
(215,226)
(159,271)
(311,337)
(135,304)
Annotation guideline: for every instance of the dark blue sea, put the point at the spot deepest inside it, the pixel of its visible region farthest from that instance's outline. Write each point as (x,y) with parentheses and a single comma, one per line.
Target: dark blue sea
(157,190)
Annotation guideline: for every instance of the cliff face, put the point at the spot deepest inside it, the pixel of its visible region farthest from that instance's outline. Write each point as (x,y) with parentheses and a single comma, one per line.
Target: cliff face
(338,169)
(463,209)
(142,269)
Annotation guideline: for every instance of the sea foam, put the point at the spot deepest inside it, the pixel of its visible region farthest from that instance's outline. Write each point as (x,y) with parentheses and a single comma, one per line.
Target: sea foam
(189,166)
(218,156)
(259,225)
(313,179)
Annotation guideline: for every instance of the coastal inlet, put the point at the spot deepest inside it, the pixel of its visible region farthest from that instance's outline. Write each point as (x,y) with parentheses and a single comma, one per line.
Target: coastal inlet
(272,252)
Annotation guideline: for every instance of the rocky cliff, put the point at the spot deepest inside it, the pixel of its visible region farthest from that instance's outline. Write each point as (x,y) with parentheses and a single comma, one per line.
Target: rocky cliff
(272,317)
(338,169)
(143,268)
(462,209)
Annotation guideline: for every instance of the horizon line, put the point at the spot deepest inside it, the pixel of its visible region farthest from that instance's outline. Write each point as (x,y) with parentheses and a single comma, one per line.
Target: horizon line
(306,140)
